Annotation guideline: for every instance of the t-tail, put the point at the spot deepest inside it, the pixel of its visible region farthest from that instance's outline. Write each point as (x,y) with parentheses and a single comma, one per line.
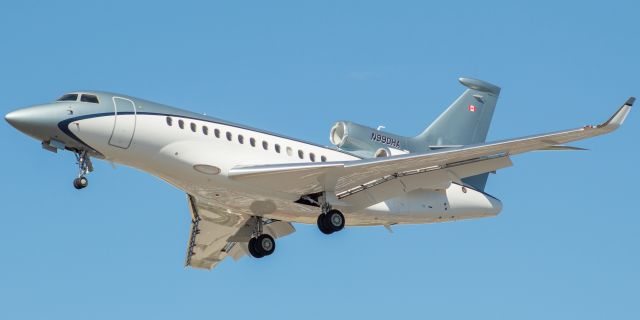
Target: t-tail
(466,121)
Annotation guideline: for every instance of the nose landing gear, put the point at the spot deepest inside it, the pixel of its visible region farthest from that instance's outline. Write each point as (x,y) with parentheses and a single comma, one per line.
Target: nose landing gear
(80,183)
(84,163)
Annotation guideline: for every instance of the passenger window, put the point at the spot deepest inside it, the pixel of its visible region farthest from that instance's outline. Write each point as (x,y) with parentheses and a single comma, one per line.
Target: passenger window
(240,139)
(229,136)
(216,132)
(265,145)
(277,147)
(289,151)
(312,157)
(193,127)
(323,159)
(300,154)
(252,142)
(181,124)
(69,97)
(205,130)
(169,121)
(89,98)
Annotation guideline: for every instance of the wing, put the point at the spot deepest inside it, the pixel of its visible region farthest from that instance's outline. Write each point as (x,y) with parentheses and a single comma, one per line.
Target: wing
(217,232)
(444,165)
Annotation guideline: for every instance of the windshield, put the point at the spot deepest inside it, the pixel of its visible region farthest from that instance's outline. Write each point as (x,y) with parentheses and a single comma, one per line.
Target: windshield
(89,98)
(69,97)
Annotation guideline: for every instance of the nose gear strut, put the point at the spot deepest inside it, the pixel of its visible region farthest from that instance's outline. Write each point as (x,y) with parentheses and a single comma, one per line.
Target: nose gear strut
(84,163)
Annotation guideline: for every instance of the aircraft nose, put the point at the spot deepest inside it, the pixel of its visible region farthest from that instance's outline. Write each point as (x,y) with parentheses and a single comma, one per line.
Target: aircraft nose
(19,119)
(37,121)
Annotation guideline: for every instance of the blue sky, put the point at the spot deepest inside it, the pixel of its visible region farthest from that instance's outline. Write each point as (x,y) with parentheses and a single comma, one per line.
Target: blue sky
(564,247)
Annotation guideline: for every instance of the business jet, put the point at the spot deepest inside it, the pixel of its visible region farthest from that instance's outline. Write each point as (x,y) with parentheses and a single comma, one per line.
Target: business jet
(245,187)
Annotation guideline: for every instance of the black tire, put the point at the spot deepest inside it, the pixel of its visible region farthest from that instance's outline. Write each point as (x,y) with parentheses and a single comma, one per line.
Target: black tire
(252,249)
(334,219)
(80,183)
(322,225)
(265,244)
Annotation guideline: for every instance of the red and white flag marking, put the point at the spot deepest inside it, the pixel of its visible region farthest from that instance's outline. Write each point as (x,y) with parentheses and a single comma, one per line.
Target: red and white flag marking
(472,108)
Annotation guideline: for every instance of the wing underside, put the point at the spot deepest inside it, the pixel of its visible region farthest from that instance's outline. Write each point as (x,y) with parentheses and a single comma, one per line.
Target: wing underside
(217,232)
(444,165)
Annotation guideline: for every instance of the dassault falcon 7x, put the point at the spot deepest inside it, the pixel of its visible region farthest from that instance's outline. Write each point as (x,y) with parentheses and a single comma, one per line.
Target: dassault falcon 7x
(245,187)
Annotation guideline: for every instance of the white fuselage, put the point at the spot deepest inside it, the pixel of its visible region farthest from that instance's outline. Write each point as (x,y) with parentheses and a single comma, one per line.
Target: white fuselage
(170,147)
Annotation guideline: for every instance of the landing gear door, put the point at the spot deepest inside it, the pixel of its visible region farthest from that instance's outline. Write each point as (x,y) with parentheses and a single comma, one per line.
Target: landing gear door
(124,124)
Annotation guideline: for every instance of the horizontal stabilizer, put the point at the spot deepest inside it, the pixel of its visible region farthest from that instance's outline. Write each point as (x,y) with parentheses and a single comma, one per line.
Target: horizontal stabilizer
(479,85)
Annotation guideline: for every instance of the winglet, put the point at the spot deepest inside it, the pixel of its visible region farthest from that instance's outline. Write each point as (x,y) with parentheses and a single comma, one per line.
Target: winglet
(618,118)
(630,101)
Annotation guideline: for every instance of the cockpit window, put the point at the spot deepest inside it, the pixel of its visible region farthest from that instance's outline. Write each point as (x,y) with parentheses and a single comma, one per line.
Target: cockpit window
(69,97)
(89,98)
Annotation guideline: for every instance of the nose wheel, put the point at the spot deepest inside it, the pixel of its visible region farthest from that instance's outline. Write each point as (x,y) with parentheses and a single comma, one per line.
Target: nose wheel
(80,183)
(84,164)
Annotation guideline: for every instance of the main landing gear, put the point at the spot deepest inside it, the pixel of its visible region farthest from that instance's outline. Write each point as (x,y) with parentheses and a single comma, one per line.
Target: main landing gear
(84,163)
(261,244)
(330,220)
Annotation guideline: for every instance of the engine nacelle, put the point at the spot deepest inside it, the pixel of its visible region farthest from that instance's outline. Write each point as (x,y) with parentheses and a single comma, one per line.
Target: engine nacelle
(365,141)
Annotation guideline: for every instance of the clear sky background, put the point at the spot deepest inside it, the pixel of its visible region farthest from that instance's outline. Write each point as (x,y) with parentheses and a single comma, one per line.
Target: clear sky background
(566,245)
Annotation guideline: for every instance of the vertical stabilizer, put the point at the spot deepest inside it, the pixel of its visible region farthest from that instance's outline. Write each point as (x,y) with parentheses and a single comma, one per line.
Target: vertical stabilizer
(466,121)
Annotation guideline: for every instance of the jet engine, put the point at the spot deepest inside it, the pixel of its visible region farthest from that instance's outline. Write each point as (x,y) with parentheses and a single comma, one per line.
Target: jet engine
(365,141)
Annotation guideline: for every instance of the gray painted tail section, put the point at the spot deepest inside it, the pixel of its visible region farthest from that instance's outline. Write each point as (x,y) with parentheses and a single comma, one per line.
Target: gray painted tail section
(466,121)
